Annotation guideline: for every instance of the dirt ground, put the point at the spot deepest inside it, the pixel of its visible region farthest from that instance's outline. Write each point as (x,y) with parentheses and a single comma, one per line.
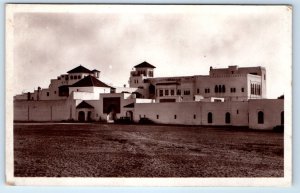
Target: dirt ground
(103,150)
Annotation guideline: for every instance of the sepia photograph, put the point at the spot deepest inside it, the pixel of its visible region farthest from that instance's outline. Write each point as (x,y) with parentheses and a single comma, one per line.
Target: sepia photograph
(149,95)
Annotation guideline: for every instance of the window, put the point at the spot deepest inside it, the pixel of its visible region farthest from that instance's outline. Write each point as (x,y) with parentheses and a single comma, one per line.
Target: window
(67,78)
(178,92)
(75,77)
(161,92)
(282,117)
(232,90)
(166,92)
(54,92)
(157,116)
(216,89)
(220,88)
(48,93)
(227,118)
(209,117)
(223,88)
(242,89)
(172,92)
(198,91)
(175,116)
(194,116)
(79,76)
(237,111)
(207,90)
(71,77)
(186,92)
(151,73)
(260,117)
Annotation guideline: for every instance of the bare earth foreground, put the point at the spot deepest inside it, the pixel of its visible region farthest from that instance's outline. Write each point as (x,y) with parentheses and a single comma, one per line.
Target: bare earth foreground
(102,150)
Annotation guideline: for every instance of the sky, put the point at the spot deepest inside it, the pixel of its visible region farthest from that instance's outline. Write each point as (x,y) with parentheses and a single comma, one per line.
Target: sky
(178,40)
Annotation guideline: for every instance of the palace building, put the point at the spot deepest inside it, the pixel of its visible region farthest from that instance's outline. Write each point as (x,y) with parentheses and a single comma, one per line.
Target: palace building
(230,96)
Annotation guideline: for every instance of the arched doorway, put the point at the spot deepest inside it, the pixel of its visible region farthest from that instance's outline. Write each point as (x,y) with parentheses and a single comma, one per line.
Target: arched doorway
(260,117)
(227,118)
(209,117)
(81,116)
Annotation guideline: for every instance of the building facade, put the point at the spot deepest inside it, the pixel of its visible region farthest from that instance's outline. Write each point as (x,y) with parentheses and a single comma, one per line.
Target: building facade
(230,96)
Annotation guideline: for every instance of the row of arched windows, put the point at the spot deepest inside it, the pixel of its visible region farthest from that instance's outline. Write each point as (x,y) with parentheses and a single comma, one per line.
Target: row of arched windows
(220,89)
(227,118)
(260,117)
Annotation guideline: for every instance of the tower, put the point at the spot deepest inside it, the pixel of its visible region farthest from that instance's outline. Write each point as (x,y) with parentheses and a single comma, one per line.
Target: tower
(141,72)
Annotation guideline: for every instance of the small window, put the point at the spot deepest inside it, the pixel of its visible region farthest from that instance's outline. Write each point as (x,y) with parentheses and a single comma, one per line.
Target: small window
(157,116)
(71,77)
(172,92)
(223,88)
(186,92)
(175,116)
(47,93)
(237,111)
(216,89)
(75,77)
(161,92)
(242,89)
(198,91)
(54,92)
(178,92)
(79,76)
(194,116)
(166,92)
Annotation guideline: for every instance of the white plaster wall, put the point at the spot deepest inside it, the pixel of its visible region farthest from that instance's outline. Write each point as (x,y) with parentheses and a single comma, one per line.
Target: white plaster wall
(184,112)
(51,110)
(271,108)
(85,95)
(238,113)
(230,81)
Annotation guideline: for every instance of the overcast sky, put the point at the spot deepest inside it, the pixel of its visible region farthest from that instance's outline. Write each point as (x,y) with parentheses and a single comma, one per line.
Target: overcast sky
(178,41)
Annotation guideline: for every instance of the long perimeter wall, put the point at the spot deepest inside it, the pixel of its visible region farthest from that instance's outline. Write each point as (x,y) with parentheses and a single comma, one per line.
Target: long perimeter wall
(197,113)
